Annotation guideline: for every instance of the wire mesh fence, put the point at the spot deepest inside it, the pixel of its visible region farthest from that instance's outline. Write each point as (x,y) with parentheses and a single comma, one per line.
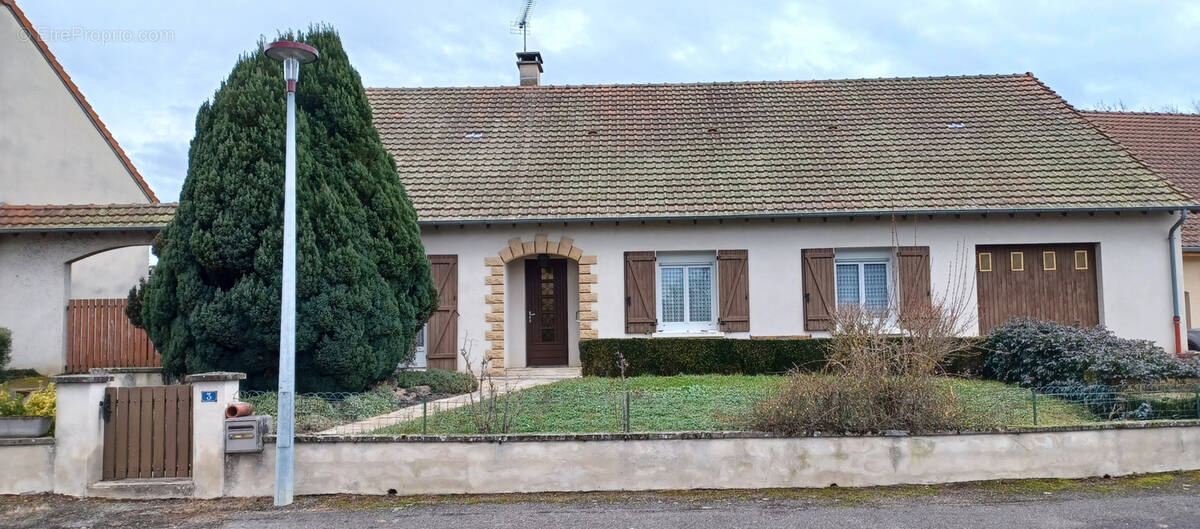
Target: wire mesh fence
(1133,403)
(611,409)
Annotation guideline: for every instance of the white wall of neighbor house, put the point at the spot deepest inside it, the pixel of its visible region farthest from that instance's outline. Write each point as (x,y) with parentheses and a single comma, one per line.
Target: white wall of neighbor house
(35,278)
(1191,285)
(109,274)
(1133,267)
(50,150)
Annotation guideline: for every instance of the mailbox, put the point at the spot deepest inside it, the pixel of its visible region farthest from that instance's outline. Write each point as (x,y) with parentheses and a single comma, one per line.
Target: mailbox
(245,434)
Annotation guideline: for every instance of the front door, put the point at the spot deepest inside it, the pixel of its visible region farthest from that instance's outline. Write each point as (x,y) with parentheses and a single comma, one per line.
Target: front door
(546,313)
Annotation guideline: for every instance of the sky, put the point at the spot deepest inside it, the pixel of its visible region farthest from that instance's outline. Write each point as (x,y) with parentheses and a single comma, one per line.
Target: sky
(146,66)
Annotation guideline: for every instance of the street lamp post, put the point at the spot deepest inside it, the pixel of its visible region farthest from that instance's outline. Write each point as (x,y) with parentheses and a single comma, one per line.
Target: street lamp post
(292,54)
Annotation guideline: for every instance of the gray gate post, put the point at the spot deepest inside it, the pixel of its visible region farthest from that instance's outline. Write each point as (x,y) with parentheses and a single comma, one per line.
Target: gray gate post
(78,432)
(208,429)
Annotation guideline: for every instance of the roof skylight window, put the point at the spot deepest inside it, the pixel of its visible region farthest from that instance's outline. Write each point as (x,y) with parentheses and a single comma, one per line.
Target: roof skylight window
(473,135)
(955,125)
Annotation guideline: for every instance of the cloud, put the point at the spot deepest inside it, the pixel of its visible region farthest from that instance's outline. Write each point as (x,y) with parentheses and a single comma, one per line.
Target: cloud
(560,30)
(802,41)
(685,53)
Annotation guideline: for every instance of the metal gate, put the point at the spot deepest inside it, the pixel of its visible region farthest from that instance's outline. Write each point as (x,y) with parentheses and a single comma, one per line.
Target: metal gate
(147,432)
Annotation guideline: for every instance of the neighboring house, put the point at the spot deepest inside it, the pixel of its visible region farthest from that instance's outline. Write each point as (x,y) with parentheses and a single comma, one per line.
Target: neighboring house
(1169,144)
(751,209)
(55,153)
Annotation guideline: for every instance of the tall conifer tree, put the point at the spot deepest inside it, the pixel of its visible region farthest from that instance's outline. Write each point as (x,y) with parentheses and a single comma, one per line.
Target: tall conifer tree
(363,284)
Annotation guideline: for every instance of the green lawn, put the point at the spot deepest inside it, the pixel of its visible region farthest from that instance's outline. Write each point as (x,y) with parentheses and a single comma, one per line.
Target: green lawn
(708,402)
(991,404)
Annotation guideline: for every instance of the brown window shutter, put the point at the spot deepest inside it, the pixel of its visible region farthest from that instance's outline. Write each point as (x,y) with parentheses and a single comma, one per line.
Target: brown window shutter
(915,296)
(734,290)
(441,334)
(641,316)
(817,269)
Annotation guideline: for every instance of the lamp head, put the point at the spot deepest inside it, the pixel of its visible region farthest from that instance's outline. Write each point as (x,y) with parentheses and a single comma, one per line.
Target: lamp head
(282,50)
(292,54)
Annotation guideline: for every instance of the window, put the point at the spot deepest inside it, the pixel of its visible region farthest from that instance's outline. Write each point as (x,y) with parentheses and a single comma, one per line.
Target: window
(1016,261)
(686,294)
(862,278)
(418,359)
(1049,260)
(985,261)
(1081,260)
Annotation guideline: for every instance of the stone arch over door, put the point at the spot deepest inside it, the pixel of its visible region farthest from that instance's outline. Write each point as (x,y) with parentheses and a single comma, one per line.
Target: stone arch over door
(494,279)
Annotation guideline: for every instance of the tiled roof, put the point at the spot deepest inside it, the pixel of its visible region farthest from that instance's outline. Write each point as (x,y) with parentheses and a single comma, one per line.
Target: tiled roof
(34,36)
(749,148)
(1168,143)
(84,217)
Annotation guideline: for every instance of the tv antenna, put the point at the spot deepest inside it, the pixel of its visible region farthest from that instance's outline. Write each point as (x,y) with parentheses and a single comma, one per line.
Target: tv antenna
(520,25)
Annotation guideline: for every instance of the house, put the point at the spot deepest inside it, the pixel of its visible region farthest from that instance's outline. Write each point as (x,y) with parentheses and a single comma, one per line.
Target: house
(63,177)
(1170,145)
(554,214)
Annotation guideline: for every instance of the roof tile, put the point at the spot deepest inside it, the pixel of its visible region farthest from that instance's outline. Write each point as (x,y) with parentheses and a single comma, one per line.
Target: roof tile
(722,149)
(1168,143)
(84,217)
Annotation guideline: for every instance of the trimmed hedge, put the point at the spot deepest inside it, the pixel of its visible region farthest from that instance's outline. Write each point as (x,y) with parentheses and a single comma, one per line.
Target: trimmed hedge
(721,356)
(438,380)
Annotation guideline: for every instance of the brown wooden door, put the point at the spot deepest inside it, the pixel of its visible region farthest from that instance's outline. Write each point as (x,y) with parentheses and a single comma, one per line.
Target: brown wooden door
(546,313)
(147,432)
(1054,282)
(441,336)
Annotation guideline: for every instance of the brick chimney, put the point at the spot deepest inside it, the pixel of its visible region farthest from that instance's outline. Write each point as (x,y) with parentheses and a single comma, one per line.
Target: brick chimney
(529,64)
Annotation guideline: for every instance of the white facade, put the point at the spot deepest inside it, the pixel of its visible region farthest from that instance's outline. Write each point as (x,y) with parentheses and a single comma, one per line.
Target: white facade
(1133,264)
(51,152)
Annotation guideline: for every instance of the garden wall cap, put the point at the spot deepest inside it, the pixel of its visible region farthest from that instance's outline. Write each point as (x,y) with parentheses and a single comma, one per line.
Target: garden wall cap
(215,376)
(81,379)
(26,441)
(714,435)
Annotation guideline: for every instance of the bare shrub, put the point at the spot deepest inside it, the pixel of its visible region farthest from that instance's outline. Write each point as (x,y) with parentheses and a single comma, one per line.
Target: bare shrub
(812,402)
(496,405)
(881,368)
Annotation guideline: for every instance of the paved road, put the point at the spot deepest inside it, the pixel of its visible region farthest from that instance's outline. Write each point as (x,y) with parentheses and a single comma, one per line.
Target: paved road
(1154,512)
(1157,501)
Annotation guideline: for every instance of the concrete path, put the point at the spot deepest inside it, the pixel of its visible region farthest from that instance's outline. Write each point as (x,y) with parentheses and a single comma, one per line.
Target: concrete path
(514,380)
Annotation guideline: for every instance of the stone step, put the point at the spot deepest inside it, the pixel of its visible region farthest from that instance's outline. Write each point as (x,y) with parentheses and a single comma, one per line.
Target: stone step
(543,372)
(143,488)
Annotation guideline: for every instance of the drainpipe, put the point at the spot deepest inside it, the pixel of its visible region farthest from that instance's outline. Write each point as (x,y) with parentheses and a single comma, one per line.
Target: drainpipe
(1173,237)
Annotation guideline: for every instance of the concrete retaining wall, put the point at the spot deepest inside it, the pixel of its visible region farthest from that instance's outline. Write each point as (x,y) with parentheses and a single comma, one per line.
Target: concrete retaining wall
(474,465)
(26,465)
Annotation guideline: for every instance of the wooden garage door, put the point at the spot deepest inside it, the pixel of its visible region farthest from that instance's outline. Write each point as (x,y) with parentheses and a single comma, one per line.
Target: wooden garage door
(1054,282)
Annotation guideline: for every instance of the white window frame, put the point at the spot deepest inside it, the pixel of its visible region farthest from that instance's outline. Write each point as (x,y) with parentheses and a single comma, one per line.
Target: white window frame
(686,260)
(860,258)
(420,347)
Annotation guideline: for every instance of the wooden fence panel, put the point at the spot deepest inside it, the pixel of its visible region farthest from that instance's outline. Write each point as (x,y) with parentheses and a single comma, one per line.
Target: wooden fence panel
(100,335)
